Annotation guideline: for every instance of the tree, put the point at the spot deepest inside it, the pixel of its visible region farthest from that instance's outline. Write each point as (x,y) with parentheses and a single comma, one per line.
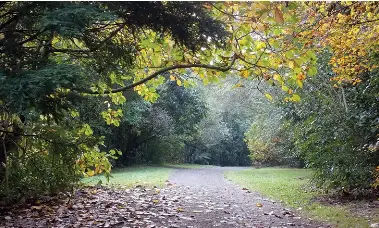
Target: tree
(333,130)
(54,55)
(233,105)
(336,129)
(158,132)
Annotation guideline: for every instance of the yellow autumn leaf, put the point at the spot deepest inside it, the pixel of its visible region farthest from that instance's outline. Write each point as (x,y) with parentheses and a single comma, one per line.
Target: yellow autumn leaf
(268,96)
(296,97)
(179,82)
(291,64)
(299,83)
(278,78)
(186,84)
(172,78)
(259,205)
(285,88)
(238,85)
(244,74)
(90,173)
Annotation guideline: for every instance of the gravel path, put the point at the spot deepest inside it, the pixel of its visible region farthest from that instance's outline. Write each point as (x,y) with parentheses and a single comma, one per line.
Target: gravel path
(209,200)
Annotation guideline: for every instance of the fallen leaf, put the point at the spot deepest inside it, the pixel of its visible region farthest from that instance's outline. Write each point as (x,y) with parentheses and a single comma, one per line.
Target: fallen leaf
(259,205)
(70,206)
(278,15)
(37,208)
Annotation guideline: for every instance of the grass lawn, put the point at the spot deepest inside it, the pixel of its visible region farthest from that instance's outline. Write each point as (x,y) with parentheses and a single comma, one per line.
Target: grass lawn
(289,186)
(148,176)
(187,166)
(144,175)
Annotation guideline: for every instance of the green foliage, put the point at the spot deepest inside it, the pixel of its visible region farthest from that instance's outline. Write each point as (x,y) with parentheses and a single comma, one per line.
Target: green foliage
(55,58)
(334,127)
(332,130)
(150,132)
(46,161)
(65,67)
(220,139)
(270,141)
(38,91)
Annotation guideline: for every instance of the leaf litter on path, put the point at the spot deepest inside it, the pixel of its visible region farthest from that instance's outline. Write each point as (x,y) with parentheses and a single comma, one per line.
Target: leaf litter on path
(175,205)
(100,207)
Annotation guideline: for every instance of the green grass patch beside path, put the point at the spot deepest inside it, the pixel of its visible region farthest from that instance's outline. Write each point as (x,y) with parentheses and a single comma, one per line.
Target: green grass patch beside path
(143,175)
(147,176)
(290,187)
(187,166)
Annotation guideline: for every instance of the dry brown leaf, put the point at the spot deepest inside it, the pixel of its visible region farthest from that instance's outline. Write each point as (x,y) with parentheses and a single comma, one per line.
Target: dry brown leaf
(278,16)
(37,208)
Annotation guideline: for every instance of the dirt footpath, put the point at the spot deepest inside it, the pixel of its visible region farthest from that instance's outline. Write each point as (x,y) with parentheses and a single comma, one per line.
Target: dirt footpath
(213,201)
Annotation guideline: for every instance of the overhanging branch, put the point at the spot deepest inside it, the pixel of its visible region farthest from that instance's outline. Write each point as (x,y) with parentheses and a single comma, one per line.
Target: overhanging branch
(163,70)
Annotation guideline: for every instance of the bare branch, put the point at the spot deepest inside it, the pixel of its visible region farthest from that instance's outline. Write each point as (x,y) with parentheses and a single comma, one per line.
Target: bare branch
(363,22)
(19,134)
(32,37)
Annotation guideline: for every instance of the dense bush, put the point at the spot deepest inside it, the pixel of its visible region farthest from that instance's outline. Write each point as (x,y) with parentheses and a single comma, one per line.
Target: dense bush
(50,159)
(270,142)
(333,130)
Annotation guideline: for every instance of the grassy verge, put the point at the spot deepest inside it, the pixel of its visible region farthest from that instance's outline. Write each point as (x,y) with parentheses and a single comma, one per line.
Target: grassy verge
(289,186)
(137,175)
(187,166)
(140,175)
